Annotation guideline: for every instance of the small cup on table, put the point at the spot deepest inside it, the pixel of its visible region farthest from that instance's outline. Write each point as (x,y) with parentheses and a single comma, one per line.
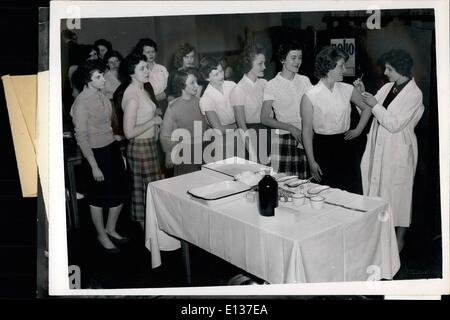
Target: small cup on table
(251,196)
(298,199)
(317,202)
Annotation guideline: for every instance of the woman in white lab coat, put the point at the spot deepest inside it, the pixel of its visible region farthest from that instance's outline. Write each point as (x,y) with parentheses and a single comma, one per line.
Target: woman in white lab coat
(390,159)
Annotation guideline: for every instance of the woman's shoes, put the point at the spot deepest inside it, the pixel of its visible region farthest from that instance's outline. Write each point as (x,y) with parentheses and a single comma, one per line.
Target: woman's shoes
(114,250)
(118,241)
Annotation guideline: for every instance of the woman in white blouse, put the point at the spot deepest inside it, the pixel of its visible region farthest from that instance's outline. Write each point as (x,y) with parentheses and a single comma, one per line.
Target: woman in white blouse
(247,98)
(325,110)
(215,103)
(158,74)
(282,96)
(112,60)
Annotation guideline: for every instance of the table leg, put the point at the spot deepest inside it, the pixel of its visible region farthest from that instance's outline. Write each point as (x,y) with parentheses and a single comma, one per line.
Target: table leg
(186,261)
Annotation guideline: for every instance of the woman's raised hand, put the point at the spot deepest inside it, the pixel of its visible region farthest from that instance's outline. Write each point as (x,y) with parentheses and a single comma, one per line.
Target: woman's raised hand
(359,85)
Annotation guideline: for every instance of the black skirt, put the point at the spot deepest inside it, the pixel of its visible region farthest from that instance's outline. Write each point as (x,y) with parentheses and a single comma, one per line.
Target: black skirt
(338,161)
(113,191)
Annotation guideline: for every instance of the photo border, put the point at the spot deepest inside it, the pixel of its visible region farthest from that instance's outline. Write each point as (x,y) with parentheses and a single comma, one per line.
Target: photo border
(58,257)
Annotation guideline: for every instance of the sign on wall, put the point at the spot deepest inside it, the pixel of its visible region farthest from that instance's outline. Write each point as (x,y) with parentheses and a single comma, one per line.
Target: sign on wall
(347,45)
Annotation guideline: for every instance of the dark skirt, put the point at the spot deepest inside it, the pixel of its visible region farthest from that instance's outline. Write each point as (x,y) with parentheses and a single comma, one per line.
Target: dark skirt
(338,161)
(262,143)
(113,191)
(194,163)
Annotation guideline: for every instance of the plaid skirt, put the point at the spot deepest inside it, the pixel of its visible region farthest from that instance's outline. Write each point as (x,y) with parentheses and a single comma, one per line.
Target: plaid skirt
(143,161)
(290,159)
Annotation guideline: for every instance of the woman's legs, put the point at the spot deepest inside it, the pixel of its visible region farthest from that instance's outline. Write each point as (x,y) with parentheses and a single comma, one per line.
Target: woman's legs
(113,215)
(97,220)
(400,233)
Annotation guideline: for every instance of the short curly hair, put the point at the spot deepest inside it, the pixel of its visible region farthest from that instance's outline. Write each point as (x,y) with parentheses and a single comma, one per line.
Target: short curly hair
(207,64)
(248,55)
(83,75)
(182,50)
(103,42)
(327,59)
(111,54)
(179,79)
(286,47)
(145,42)
(399,59)
(128,66)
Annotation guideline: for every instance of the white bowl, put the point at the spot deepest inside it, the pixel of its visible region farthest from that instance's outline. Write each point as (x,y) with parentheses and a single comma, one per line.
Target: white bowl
(298,199)
(317,202)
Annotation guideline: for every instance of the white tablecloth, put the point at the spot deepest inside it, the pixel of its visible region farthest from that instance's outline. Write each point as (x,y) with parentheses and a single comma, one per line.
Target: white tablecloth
(298,244)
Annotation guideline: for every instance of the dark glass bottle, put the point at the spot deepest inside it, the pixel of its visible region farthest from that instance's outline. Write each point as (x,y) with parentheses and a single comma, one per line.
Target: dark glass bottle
(267,195)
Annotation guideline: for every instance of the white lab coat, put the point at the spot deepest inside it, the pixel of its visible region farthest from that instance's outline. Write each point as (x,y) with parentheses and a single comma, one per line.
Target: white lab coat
(390,159)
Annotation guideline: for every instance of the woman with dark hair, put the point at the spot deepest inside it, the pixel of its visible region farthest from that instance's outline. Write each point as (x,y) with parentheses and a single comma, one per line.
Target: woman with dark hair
(103,47)
(184,57)
(112,61)
(282,96)
(141,128)
(184,113)
(247,96)
(91,114)
(325,110)
(215,103)
(216,106)
(85,53)
(158,75)
(389,162)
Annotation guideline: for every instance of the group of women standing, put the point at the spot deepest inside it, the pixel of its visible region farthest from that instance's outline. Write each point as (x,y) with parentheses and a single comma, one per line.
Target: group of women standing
(312,123)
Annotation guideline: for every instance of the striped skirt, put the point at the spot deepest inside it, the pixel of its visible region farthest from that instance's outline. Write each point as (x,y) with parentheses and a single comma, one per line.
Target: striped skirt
(143,161)
(290,159)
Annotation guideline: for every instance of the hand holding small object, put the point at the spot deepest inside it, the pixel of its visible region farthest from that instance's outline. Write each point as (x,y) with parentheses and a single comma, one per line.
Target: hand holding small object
(369,99)
(359,84)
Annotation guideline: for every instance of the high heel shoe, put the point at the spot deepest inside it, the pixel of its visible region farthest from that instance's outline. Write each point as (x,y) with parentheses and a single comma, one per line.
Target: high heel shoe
(118,241)
(114,250)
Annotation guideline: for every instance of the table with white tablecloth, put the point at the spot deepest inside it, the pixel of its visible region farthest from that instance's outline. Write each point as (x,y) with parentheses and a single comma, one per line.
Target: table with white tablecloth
(297,245)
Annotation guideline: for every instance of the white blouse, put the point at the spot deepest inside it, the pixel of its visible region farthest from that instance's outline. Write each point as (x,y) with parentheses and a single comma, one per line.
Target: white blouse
(214,100)
(158,78)
(331,109)
(287,95)
(250,95)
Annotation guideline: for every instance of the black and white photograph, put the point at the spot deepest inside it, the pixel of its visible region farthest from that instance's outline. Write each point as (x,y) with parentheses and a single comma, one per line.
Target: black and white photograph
(248,148)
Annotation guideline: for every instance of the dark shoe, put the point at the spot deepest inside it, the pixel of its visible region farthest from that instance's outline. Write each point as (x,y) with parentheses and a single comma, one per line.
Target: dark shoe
(118,241)
(114,250)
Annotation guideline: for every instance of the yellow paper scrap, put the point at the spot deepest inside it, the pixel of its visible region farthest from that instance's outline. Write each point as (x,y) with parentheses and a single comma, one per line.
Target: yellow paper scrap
(26,90)
(23,140)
